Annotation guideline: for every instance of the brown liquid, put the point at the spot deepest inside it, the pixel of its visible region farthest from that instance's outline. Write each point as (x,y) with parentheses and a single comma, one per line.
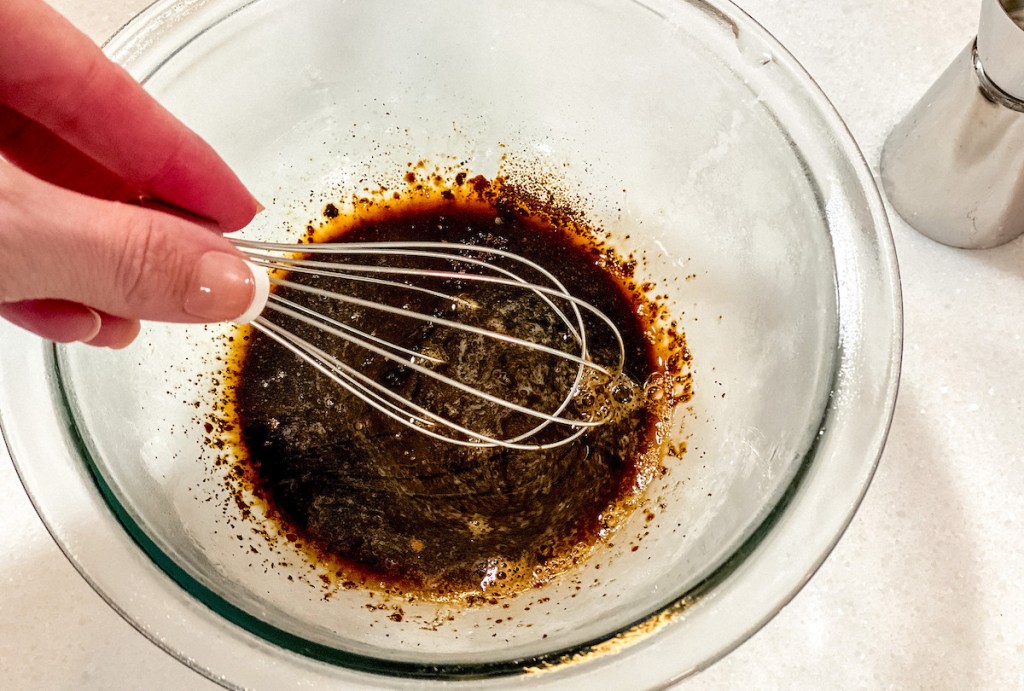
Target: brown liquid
(413,512)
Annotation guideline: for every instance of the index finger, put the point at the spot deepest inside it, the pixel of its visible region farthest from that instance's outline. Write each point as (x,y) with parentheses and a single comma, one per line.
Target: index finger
(56,76)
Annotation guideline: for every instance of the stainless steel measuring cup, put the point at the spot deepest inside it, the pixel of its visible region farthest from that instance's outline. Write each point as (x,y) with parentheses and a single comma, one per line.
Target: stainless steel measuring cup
(954,166)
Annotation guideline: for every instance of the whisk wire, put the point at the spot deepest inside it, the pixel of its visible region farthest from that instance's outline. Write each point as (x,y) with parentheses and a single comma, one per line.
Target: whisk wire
(479,270)
(441,321)
(417,249)
(302,309)
(397,409)
(462,386)
(328,268)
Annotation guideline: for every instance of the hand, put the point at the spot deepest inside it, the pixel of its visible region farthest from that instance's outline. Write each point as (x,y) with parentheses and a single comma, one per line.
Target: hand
(81,138)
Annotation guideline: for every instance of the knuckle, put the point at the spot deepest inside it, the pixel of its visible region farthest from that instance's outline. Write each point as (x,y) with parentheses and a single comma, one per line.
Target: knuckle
(169,165)
(144,261)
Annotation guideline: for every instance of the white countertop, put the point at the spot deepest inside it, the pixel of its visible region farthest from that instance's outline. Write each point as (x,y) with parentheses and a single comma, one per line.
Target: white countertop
(924,590)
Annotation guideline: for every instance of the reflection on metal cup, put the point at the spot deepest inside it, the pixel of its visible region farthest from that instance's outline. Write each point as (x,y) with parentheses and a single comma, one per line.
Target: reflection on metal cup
(953,168)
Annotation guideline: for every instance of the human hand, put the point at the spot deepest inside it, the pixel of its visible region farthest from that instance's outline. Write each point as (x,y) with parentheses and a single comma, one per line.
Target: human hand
(81,259)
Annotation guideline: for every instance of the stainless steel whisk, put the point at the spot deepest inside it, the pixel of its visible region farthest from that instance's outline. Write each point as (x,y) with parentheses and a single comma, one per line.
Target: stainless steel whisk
(458,262)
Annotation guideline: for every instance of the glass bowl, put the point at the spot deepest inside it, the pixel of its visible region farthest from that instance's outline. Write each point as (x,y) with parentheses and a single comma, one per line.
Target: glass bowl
(690,136)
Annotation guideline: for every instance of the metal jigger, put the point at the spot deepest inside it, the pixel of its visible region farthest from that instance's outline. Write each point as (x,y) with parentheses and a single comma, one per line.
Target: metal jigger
(954,166)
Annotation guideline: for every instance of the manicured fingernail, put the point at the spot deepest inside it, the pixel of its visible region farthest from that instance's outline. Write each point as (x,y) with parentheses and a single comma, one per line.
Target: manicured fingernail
(260,294)
(259,207)
(222,288)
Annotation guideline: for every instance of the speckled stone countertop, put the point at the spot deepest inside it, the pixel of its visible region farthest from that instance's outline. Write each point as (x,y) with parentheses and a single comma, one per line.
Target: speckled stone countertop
(923,592)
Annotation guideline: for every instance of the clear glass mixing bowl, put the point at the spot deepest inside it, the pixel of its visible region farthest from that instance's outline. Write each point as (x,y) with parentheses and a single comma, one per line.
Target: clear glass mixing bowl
(692,137)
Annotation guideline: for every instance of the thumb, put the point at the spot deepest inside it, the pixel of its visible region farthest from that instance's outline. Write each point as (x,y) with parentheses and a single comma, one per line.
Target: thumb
(120,259)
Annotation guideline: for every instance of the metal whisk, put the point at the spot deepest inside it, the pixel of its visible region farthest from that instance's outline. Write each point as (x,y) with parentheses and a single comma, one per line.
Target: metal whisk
(424,269)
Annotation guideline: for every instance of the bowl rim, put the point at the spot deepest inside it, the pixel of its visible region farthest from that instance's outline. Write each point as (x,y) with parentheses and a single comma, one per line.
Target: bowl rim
(46,362)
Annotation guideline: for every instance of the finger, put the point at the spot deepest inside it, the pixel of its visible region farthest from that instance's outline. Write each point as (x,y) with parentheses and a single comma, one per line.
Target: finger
(63,321)
(56,76)
(115,332)
(117,258)
(35,149)
(56,320)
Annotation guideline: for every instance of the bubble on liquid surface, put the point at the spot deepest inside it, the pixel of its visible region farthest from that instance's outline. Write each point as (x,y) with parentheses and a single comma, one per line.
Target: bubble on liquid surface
(601,397)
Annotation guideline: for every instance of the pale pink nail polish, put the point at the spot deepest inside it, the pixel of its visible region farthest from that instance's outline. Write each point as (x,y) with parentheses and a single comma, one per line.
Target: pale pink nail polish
(222,287)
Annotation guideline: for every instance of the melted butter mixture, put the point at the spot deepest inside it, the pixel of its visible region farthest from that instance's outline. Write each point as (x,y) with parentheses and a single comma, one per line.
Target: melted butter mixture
(381,505)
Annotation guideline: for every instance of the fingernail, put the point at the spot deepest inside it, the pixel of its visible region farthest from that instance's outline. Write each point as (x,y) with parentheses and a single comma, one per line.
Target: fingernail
(260,294)
(98,324)
(222,287)
(259,207)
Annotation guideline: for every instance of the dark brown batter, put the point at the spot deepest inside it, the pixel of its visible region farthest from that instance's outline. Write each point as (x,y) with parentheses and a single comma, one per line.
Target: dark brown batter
(415,513)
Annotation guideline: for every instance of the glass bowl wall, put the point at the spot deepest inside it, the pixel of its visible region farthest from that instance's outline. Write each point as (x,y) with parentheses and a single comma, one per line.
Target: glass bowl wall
(685,131)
